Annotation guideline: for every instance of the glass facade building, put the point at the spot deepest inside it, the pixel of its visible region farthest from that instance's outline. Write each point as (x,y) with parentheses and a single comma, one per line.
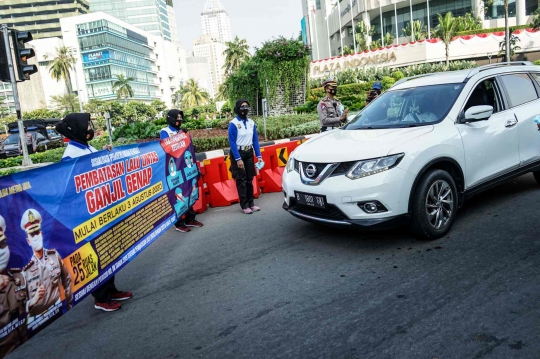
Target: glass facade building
(108,50)
(148,15)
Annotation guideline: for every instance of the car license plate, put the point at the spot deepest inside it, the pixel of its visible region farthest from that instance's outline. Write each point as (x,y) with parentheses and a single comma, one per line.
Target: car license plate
(311,200)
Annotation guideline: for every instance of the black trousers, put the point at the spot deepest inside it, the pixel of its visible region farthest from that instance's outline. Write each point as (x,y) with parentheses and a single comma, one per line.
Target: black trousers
(190,216)
(244,178)
(103,293)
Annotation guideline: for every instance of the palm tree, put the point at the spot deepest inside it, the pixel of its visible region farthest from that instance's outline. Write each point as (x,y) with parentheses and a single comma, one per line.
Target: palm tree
(193,95)
(61,65)
(177,98)
(446,31)
(236,53)
(122,87)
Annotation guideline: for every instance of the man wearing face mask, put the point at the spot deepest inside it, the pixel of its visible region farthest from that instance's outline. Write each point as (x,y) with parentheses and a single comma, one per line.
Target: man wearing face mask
(46,273)
(12,297)
(175,118)
(244,139)
(331,111)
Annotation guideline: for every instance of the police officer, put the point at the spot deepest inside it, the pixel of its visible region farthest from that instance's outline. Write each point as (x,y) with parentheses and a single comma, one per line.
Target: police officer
(46,271)
(12,298)
(331,111)
(375,92)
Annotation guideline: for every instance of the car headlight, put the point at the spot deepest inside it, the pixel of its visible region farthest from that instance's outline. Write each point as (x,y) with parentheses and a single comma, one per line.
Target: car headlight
(366,168)
(290,163)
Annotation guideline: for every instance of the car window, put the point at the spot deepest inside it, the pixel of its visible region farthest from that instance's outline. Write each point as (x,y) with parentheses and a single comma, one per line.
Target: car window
(485,93)
(12,139)
(519,88)
(407,108)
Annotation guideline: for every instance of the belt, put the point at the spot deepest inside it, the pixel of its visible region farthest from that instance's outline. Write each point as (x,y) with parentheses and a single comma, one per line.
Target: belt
(245,148)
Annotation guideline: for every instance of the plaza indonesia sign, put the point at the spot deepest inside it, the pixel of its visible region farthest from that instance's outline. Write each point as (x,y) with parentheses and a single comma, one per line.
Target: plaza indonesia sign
(66,228)
(335,65)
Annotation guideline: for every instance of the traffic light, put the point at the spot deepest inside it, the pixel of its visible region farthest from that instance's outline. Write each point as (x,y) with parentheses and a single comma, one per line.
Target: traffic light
(22,54)
(4,68)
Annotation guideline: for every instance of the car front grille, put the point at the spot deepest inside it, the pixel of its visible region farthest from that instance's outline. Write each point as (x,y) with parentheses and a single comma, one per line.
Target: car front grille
(331,212)
(342,169)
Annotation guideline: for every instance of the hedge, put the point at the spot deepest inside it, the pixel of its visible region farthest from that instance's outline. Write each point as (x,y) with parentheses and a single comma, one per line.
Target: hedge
(488,31)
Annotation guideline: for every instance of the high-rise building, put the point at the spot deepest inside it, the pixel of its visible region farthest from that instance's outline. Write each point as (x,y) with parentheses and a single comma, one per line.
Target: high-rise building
(215,21)
(199,70)
(212,50)
(172,22)
(148,15)
(40,17)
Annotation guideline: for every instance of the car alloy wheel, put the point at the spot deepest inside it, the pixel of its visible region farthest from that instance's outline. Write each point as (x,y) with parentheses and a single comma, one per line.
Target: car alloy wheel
(439,204)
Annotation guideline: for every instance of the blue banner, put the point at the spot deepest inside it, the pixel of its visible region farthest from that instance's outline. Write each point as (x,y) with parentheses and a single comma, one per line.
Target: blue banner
(68,227)
(95,56)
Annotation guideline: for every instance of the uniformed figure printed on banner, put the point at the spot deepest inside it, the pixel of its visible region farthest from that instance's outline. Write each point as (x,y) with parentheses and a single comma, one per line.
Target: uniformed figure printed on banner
(191,170)
(47,279)
(194,192)
(181,202)
(174,178)
(12,299)
(331,112)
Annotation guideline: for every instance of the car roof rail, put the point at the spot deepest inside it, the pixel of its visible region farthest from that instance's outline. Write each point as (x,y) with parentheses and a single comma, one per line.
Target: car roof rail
(479,69)
(411,78)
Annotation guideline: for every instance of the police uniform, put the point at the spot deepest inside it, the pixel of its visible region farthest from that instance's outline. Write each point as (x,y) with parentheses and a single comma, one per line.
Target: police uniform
(12,304)
(48,271)
(329,110)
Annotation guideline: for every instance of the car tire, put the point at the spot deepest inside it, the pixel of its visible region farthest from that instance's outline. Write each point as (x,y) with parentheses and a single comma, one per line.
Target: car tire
(434,206)
(536,175)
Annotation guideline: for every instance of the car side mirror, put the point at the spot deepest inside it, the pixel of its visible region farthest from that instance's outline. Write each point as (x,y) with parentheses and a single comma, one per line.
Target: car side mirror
(478,113)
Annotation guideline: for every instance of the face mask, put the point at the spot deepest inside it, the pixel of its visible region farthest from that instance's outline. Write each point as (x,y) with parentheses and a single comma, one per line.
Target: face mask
(333,92)
(36,242)
(4,258)
(244,110)
(89,135)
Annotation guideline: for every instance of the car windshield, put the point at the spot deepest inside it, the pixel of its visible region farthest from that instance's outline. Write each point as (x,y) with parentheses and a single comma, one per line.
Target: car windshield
(12,139)
(407,108)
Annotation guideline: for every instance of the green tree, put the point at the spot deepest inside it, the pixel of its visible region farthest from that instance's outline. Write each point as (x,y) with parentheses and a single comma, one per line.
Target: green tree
(122,87)
(347,50)
(177,98)
(60,66)
(193,95)
(65,103)
(362,31)
(535,22)
(419,29)
(139,111)
(445,31)
(41,114)
(513,45)
(236,53)
(468,22)
(95,106)
(158,105)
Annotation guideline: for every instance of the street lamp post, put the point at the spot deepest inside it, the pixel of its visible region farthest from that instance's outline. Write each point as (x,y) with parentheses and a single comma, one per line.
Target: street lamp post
(73,52)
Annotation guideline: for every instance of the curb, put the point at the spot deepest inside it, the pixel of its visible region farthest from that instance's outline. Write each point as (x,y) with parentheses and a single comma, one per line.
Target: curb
(225,152)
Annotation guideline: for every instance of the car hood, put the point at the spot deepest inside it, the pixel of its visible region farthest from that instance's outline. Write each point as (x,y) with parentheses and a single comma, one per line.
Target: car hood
(354,145)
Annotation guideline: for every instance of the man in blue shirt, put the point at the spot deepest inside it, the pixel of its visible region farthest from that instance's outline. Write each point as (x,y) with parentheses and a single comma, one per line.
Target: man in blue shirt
(244,139)
(174,121)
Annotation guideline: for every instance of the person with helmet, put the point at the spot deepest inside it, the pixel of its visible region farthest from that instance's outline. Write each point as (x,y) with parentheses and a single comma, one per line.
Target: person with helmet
(45,274)
(375,92)
(12,297)
(244,139)
(175,118)
(77,127)
(331,111)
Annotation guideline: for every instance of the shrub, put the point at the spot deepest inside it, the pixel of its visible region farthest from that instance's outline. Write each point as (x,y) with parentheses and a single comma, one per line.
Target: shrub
(489,31)
(137,131)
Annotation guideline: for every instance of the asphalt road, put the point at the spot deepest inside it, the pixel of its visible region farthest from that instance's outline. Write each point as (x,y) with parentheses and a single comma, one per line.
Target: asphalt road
(271,286)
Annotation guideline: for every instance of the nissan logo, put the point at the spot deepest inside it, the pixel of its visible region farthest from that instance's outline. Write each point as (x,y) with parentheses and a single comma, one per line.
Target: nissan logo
(311,170)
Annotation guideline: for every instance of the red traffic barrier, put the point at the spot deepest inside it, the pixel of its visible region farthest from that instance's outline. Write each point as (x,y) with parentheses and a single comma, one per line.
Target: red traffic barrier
(275,158)
(222,190)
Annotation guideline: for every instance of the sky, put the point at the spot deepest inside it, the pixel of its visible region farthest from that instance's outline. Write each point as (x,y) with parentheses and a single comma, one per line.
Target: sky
(253,20)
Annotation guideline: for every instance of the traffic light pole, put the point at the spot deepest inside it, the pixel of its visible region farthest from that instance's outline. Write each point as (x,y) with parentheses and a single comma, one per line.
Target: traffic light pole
(26,160)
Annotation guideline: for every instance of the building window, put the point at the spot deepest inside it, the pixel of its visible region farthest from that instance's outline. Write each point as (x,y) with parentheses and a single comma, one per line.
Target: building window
(496,10)
(530,7)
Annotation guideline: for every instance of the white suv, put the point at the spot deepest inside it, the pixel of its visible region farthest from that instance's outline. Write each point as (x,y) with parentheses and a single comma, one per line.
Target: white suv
(417,152)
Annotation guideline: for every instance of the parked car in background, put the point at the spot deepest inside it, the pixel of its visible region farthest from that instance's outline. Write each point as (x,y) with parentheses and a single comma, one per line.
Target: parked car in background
(11,144)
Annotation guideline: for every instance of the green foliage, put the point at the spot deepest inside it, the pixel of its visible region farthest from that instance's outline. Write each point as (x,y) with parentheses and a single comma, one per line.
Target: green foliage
(488,31)
(210,144)
(53,155)
(361,33)
(347,50)
(419,28)
(282,62)
(158,105)
(122,87)
(468,22)
(138,111)
(446,31)
(535,22)
(65,103)
(95,106)
(193,95)
(41,113)
(226,108)
(398,75)
(236,53)
(137,131)
(244,83)
(61,65)
(513,44)
(537,62)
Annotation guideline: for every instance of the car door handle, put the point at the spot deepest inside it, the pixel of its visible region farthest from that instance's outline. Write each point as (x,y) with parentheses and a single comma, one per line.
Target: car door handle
(510,123)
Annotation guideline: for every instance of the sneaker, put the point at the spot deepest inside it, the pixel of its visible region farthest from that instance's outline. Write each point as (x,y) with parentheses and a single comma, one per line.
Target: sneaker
(108,307)
(255,209)
(182,228)
(121,296)
(247,211)
(194,223)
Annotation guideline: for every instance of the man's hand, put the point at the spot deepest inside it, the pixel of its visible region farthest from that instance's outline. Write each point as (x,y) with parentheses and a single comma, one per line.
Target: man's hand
(107,147)
(344,116)
(40,293)
(240,164)
(4,281)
